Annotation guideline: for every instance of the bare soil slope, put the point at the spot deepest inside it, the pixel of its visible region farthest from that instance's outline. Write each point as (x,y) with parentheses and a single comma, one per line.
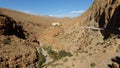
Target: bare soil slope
(91,47)
(19,46)
(91,40)
(16,48)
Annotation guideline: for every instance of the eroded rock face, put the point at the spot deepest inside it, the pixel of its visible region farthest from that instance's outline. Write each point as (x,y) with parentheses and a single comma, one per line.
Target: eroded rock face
(9,27)
(16,51)
(2,26)
(106,13)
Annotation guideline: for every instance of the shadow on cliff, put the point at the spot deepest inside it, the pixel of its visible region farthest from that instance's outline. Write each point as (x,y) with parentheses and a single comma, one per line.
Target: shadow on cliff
(116,60)
(10,27)
(113,26)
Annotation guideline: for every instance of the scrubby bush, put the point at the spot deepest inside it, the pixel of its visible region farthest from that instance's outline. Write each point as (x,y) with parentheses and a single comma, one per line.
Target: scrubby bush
(92,65)
(56,55)
(50,51)
(63,53)
(41,58)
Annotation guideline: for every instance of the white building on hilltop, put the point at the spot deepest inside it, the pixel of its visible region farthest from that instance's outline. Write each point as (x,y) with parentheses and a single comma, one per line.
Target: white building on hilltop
(56,24)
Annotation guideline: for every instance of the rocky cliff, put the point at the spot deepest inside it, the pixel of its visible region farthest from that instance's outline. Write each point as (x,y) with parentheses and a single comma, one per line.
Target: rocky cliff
(16,46)
(106,14)
(87,38)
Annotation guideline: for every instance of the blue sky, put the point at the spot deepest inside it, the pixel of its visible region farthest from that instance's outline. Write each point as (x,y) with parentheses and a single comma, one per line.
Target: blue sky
(57,8)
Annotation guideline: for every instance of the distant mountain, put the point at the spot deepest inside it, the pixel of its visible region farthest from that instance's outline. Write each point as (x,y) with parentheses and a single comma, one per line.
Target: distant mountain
(20,16)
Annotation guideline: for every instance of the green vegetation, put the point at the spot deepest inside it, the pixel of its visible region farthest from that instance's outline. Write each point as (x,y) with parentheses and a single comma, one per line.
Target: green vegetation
(41,58)
(56,55)
(92,65)
(104,51)
(52,53)
(90,54)
(63,53)
(49,49)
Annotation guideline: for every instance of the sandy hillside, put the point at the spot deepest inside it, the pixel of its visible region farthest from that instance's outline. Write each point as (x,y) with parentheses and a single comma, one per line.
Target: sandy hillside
(19,33)
(91,40)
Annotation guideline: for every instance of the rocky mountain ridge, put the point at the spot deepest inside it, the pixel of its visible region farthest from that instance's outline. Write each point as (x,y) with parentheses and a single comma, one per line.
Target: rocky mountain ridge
(28,43)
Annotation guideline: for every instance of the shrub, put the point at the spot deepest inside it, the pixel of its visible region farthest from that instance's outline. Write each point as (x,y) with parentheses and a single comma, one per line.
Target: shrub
(63,53)
(41,58)
(48,49)
(104,51)
(51,52)
(90,54)
(56,55)
(92,65)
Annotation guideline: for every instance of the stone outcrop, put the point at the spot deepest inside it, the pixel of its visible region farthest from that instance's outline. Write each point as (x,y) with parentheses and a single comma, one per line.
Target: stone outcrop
(16,49)
(106,14)
(9,27)
(115,65)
